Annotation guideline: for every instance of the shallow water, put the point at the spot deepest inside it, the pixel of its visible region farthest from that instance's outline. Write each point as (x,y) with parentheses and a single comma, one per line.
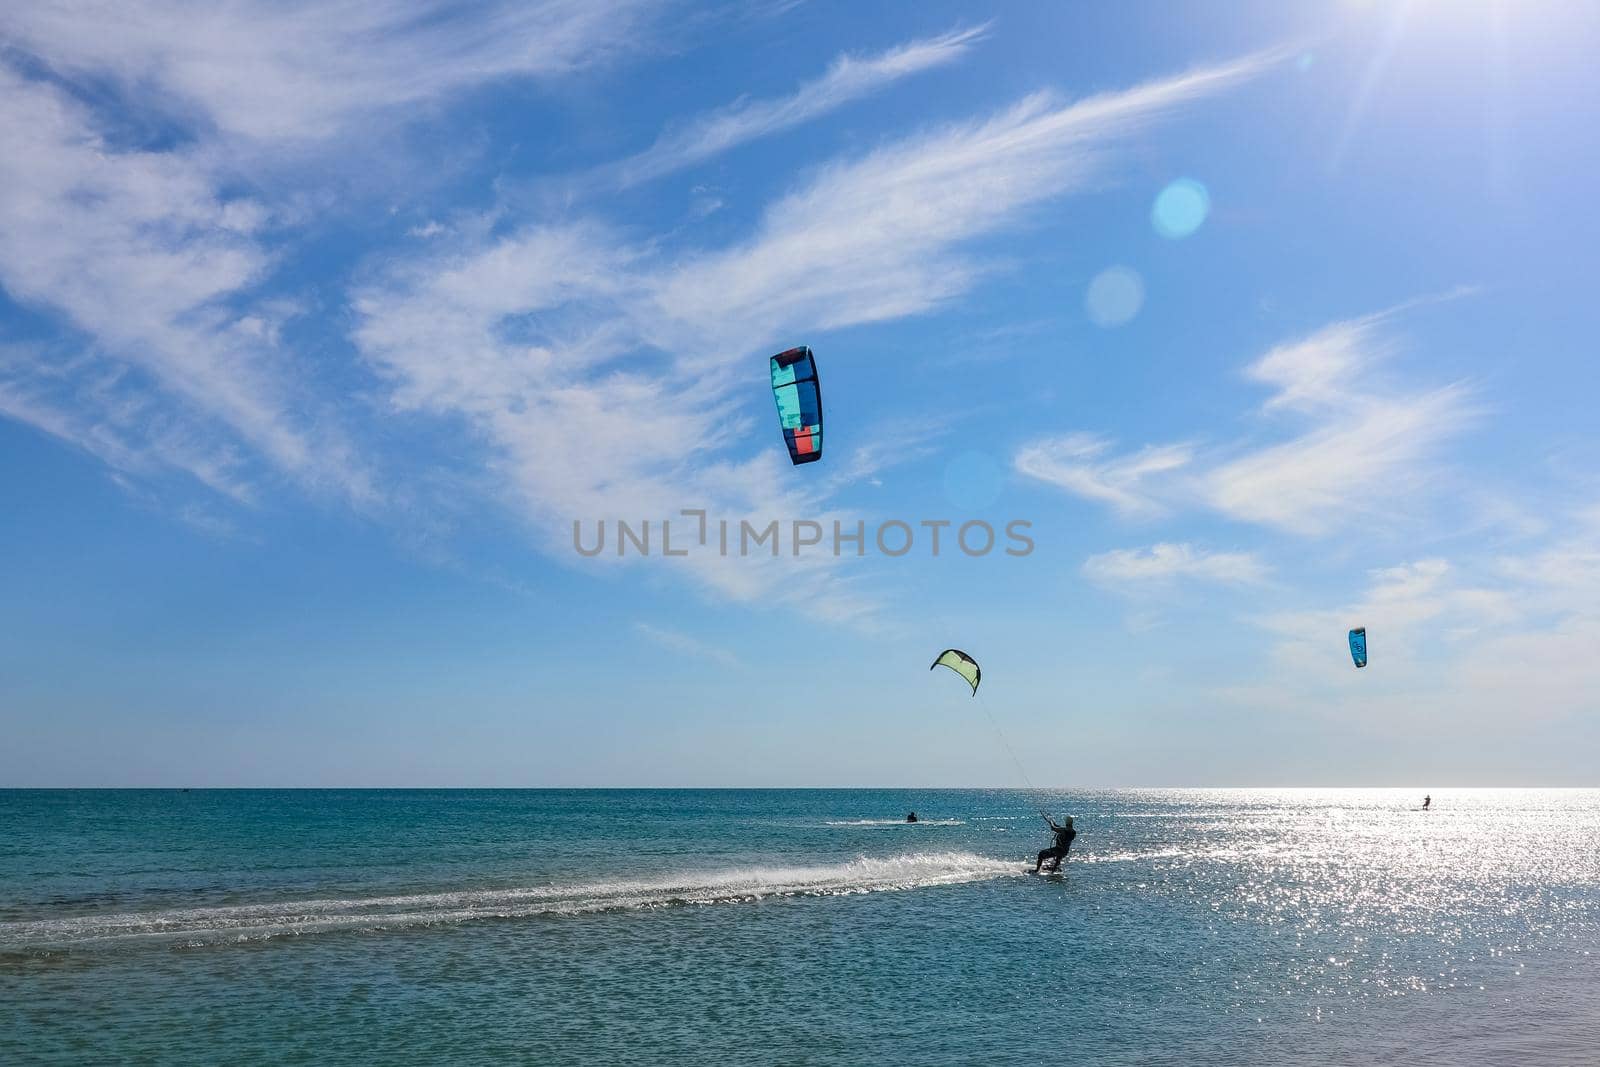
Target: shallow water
(798,926)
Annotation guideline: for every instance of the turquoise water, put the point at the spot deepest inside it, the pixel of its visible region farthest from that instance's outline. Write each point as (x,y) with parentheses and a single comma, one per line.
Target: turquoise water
(798,927)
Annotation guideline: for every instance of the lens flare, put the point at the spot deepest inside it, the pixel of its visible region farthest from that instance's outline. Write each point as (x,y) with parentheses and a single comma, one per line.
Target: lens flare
(1115,296)
(1180,209)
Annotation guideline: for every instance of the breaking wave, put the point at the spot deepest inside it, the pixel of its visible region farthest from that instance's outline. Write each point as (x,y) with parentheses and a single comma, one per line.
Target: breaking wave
(264,921)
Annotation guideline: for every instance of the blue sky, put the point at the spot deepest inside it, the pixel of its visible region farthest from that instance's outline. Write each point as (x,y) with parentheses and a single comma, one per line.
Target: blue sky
(319,328)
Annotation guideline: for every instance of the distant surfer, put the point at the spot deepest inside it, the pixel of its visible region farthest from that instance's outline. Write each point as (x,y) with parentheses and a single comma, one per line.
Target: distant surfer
(1058,851)
(1427,802)
(911,816)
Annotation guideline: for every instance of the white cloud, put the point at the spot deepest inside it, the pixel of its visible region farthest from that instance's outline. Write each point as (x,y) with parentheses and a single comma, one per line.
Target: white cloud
(1364,444)
(1077,463)
(288,70)
(879,237)
(153,264)
(1546,674)
(1322,371)
(1368,444)
(1355,464)
(120,429)
(1459,645)
(139,252)
(1166,561)
(1562,577)
(848,79)
(1398,601)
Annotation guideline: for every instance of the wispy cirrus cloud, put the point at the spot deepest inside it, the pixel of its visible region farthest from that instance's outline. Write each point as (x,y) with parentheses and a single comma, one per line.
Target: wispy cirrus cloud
(121,215)
(684,644)
(142,254)
(591,365)
(1079,463)
(1362,443)
(119,428)
(1351,467)
(295,70)
(882,236)
(1167,562)
(1367,442)
(849,78)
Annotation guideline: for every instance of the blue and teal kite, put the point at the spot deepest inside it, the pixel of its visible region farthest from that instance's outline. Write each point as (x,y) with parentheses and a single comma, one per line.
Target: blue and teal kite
(1358,645)
(799,396)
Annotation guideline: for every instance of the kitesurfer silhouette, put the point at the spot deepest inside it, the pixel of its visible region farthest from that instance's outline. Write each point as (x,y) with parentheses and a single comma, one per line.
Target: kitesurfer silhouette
(1063,844)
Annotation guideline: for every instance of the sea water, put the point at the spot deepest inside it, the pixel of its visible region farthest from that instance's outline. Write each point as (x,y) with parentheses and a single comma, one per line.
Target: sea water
(798,927)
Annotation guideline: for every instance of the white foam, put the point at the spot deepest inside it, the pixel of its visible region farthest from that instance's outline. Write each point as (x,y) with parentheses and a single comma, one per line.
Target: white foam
(895,823)
(253,922)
